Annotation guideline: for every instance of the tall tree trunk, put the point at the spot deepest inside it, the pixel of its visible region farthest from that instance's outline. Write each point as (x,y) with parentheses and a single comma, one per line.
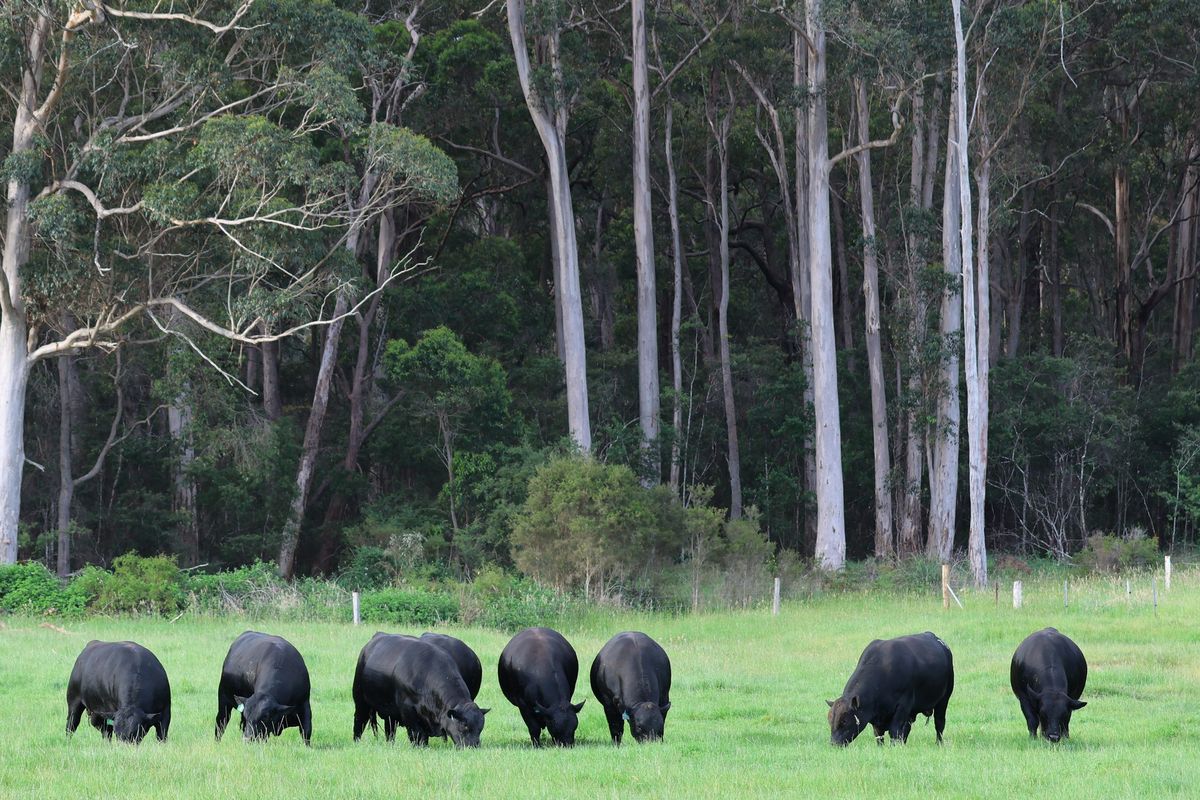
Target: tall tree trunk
(884,544)
(643,234)
(14,354)
(68,390)
(845,306)
(183,503)
(676,305)
(721,129)
(974,331)
(943,477)
(312,439)
(831,525)
(1183,320)
(801,279)
(1125,323)
(552,132)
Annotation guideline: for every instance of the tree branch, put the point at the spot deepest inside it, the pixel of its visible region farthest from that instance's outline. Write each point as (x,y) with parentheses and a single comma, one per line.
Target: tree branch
(188,18)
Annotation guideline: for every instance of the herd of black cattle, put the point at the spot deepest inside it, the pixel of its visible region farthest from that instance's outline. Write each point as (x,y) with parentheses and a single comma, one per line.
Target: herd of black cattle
(428,686)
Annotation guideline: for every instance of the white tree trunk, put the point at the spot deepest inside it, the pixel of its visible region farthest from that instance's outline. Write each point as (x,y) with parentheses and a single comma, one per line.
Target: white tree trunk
(67,386)
(943,477)
(552,133)
(643,234)
(179,424)
(831,525)
(676,306)
(975,339)
(14,376)
(884,542)
(734,453)
(801,282)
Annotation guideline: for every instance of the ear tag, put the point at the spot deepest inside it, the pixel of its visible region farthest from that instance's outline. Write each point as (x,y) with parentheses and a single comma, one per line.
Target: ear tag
(625,716)
(108,722)
(242,708)
(856,720)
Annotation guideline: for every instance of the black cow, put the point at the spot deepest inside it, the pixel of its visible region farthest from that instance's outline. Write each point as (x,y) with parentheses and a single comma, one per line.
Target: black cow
(464,657)
(124,689)
(1047,675)
(538,669)
(894,681)
(631,677)
(265,678)
(412,683)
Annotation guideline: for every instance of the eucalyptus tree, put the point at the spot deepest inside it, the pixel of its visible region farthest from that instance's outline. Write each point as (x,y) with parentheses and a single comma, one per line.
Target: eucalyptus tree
(167,168)
(546,98)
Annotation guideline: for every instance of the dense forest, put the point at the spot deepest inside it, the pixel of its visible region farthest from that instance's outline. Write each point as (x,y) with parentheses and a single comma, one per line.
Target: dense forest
(576,288)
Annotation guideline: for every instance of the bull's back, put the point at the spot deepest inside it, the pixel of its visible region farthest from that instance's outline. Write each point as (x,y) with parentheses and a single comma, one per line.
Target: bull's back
(921,663)
(259,660)
(632,667)
(538,662)
(108,675)
(1049,660)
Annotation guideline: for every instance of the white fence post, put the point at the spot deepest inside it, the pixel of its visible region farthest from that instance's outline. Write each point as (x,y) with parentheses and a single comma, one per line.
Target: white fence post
(1017,594)
(775,599)
(1167,571)
(354,602)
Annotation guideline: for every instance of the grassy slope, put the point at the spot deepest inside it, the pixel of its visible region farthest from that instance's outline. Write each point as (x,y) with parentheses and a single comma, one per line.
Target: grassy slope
(747,718)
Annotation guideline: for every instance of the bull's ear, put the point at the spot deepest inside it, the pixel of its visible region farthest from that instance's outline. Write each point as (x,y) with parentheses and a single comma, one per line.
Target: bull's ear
(484,710)
(665,707)
(578,707)
(541,709)
(854,702)
(453,714)
(830,703)
(1074,704)
(239,700)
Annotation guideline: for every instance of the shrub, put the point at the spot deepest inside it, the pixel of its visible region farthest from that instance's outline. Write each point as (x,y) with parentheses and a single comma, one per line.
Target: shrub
(506,602)
(409,607)
(1108,553)
(142,585)
(29,588)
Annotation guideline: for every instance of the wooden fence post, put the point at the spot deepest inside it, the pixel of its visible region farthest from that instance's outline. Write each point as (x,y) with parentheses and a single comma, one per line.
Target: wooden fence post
(945,585)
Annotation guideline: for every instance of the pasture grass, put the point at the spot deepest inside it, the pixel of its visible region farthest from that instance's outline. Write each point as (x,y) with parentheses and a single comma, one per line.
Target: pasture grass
(747,716)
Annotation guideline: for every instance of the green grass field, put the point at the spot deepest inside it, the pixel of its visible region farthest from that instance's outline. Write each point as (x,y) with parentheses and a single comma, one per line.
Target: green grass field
(747,716)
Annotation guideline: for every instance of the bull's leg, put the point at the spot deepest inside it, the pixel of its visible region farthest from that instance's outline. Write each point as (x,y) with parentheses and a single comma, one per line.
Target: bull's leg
(225,706)
(900,726)
(362,716)
(389,729)
(163,724)
(74,714)
(1031,718)
(535,728)
(939,718)
(616,723)
(306,724)
(879,732)
(418,734)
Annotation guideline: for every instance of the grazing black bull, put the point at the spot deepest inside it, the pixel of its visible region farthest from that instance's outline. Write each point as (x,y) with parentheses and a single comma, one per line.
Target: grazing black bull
(1047,675)
(894,681)
(124,690)
(414,684)
(265,678)
(631,677)
(537,671)
(464,657)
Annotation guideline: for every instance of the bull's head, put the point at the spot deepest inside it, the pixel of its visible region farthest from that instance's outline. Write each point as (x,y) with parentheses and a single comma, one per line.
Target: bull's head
(131,724)
(464,724)
(262,716)
(560,720)
(646,721)
(846,720)
(1054,713)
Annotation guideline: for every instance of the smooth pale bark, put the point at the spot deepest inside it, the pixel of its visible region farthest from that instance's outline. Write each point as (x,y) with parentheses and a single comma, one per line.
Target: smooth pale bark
(884,541)
(179,425)
(801,283)
(831,526)
(943,474)
(1183,320)
(974,331)
(312,440)
(14,361)
(552,132)
(643,235)
(676,305)
(721,129)
(272,400)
